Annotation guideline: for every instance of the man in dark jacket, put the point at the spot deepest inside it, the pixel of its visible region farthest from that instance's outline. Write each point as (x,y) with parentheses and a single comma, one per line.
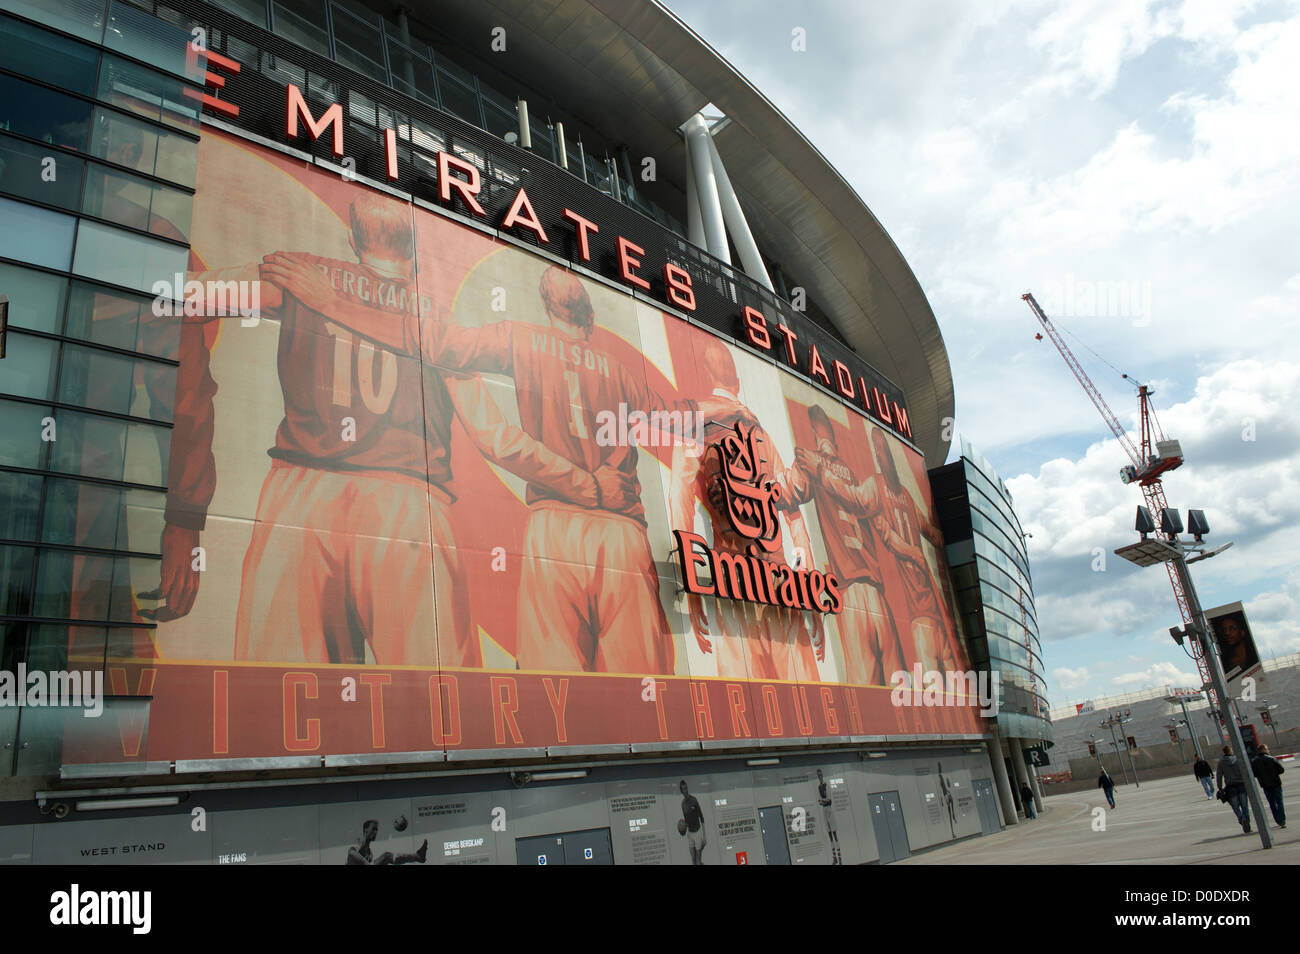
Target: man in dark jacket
(1233,787)
(1269,772)
(1204,775)
(1027,799)
(1107,785)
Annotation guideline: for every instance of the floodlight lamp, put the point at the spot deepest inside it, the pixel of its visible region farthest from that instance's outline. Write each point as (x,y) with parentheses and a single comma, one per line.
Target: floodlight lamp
(1197,525)
(1143,523)
(1171,521)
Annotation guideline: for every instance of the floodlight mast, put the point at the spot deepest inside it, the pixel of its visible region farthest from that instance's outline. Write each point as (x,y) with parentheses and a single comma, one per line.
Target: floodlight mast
(1153,457)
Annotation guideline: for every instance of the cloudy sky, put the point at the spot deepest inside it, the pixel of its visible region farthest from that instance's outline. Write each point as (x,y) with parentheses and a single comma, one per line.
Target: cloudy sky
(1137,166)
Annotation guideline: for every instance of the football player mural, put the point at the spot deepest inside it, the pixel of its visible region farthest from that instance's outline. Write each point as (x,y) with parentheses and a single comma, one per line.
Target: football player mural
(499,502)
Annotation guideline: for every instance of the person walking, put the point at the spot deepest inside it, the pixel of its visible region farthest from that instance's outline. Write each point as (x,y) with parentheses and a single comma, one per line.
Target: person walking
(1107,785)
(1269,772)
(1027,799)
(1205,775)
(1232,787)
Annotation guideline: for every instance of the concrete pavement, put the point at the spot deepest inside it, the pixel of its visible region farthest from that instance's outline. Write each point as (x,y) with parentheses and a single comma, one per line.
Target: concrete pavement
(1168,821)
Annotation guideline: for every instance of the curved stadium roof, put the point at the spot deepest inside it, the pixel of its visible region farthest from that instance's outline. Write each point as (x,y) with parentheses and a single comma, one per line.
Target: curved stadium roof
(639,72)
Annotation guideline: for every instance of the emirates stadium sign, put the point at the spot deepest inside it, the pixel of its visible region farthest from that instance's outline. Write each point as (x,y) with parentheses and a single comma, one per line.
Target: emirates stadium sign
(752,569)
(461,188)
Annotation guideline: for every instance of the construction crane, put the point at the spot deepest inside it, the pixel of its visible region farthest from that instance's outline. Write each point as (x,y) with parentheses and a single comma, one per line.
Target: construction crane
(1150,459)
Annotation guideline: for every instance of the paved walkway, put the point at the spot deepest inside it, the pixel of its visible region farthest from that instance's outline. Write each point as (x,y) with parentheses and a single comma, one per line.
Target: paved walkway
(1169,821)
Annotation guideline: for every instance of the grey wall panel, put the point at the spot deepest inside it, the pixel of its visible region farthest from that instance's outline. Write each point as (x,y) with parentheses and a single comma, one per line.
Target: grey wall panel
(136,840)
(269,836)
(16,844)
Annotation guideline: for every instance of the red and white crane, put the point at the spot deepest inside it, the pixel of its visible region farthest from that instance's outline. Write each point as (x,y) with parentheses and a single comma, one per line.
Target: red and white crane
(1150,459)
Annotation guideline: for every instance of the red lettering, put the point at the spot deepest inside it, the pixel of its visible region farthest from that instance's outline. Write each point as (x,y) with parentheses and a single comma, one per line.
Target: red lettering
(290,683)
(828,710)
(466,188)
(901,421)
(521,214)
(559,699)
(772,710)
(660,689)
(678,282)
(882,406)
(627,263)
(844,380)
(736,703)
(700,703)
(756,328)
(451,735)
(689,558)
(816,368)
(790,339)
(220,711)
(802,714)
(505,703)
(211,79)
(390,154)
(144,681)
(375,682)
(297,108)
(584,226)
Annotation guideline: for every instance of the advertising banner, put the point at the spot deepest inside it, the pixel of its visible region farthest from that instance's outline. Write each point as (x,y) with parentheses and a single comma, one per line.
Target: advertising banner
(439,494)
(1232,636)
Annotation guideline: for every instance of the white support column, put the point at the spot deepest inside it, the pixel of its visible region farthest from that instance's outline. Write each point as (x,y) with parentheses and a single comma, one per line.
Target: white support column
(737,225)
(698,154)
(694,224)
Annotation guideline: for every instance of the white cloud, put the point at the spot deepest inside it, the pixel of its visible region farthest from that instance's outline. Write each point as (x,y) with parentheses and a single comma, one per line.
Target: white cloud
(1162,673)
(1071,678)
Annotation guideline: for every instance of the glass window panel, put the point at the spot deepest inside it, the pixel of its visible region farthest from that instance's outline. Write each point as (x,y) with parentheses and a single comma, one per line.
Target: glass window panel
(138,203)
(412,74)
(35,235)
(20,501)
(151,40)
(145,148)
(16,580)
(42,55)
(35,298)
(252,10)
(357,45)
(426,137)
(499,121)
(458,99)
(83,18)
(108,382)
(43,114)
(301,22)
(110,449)
(40,173)
(20,434)
(146,93)
(361,108)
(100,515)
(47,648)
(90,586)
(283,71)
(111,255)
(121,321)
(28,367)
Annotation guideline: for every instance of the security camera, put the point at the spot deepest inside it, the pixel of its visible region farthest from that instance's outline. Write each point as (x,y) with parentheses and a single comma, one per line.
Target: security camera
(520,779)
(59,810)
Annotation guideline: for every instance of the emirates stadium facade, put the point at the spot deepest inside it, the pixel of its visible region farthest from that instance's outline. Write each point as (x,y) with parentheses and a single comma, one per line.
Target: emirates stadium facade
(458,433)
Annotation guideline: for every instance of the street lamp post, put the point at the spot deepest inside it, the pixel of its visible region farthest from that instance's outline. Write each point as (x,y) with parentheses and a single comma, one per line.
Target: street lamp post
(1110,723)
(1266,716)
(1173,728)
(1187,721)
(1172,550)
